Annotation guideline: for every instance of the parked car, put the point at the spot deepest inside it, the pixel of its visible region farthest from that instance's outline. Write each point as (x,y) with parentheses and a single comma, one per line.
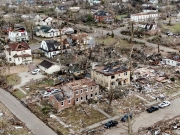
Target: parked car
(110,124)
(125,117)
(55,91)
(46,94)
(152,109)
(35,71)
(164,104)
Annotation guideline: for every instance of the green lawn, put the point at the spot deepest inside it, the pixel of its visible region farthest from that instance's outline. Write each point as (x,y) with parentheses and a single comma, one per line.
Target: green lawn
(19,94)
(173,28)
(13,79)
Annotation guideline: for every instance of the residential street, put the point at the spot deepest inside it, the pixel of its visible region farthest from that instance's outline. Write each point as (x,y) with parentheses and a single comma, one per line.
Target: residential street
(145,119)
(30,120)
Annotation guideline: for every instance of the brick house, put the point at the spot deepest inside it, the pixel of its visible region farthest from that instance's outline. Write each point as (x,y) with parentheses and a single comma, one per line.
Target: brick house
(103,16)
(108,76)
(73,93)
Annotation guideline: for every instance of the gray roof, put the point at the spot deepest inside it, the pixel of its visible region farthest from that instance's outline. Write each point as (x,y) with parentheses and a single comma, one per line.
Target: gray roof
(59,97)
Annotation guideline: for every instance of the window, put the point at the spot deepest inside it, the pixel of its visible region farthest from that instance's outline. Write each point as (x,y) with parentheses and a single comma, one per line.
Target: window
(96,93)
(112,77)
(81,98)
(77,92)
(81,91)
(125,73)
(69,101)
(9,59)
(77,99)
(91,88)
(18,59)
(9,53)
(96,87)
(91,95)
(119,74)
(87,90)
(62,103)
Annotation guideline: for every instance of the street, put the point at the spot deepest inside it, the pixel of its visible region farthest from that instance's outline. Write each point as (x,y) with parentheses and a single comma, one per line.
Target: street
(146,120)
(31,121)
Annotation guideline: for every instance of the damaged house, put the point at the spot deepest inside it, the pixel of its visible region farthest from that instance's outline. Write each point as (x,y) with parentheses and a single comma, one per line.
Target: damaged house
(108,76)
(18,53)
(173,61)
(74,93)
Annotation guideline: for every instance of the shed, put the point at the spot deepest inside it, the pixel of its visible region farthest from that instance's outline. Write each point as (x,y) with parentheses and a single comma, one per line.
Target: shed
(49,67)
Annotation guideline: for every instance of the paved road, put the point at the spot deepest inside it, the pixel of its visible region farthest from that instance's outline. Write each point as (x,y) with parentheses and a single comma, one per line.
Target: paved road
(30,120)
(99,32)
(147,120)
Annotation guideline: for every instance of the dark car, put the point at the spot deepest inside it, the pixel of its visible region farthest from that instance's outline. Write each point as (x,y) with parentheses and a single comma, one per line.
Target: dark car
(125,117)
(110,124)
(152,109)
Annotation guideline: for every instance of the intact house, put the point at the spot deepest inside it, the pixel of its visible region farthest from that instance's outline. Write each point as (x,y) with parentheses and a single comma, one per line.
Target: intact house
(49,67)
(46,31)
(18,34)
(74,93)
(103,16)
(18,53)
(110,76)
(144,17)
(50,48)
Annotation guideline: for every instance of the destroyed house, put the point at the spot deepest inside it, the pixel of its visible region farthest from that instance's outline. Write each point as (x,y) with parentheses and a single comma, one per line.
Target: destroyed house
(108,76)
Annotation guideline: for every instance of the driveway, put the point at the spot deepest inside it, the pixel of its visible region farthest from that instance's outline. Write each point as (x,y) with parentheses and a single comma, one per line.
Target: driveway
(26,77)
(146,120)
(31,121)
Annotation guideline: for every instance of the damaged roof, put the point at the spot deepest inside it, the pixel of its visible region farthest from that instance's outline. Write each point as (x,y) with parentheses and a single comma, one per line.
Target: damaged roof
(110,70)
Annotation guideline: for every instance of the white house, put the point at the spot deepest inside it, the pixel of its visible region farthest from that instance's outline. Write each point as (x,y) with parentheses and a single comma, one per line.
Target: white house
(50,48)
(18,53)
(46,31)
(144,17)
(171,62)
(153,1)
(49,67)
(18,35)
(149,9)
(39,20)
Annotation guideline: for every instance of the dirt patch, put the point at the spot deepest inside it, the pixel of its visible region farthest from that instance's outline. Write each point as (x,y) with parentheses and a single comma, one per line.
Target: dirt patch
(17,69)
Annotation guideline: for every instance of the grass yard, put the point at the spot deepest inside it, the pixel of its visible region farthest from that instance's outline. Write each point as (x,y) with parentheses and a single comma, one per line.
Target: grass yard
(107,41)
(173,28)
(13,79)
(79,116)
(19,94)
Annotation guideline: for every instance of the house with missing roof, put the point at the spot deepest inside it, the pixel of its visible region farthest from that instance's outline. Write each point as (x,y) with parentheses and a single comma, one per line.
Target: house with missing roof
(74,93)
(18,53)
(49,67)
(43,20)
(110,76)
(18,34)
(50,48)
(46,31)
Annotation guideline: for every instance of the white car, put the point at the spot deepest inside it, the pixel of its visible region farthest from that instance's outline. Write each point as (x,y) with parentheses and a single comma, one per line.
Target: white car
(46,94)
(55,91)
(35,71)
(164,104)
